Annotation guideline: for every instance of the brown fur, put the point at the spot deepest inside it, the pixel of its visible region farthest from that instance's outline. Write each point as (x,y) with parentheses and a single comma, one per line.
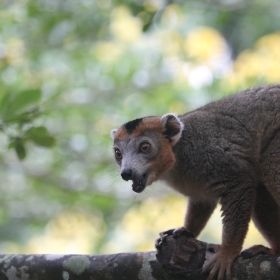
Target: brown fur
(121,134)
(165,160)
(151,123)
(226,152)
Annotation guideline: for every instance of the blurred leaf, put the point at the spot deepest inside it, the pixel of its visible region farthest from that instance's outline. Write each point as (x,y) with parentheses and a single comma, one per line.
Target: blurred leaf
(20,102)
(4,102)
(17,144)
(24,117)
(20,149)
(40,136)
(12,145)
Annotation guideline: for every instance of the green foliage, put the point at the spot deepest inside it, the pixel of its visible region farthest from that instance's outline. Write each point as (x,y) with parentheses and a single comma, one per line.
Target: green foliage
(18,109)
(40,136)
(14,105)
(70,71)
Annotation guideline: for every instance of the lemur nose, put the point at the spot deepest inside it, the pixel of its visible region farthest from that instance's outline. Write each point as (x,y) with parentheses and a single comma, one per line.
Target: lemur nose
(126,174)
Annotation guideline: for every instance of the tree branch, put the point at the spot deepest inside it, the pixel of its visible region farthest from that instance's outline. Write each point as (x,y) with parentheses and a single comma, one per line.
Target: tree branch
(124,266)
(184,257)
(176,259)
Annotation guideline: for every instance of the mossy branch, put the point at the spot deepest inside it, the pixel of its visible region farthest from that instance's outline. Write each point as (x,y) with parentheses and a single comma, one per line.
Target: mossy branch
(176,259)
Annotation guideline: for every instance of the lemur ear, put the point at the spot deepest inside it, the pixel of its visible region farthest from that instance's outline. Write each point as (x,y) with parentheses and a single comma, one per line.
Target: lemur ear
(173,127)
(112,133)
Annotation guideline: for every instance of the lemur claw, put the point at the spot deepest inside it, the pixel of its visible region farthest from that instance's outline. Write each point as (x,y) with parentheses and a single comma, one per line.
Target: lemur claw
(167,232)
(176,233)
(163,235)
(182,231)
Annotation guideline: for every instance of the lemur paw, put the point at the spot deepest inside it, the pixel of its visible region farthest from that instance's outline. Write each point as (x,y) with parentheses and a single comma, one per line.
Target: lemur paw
(254,250)
(220,264)
(162,238)
(182,231)
(176,233)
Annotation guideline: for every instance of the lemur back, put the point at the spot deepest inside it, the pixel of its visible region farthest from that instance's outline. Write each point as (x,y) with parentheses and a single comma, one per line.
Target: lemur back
(227,151)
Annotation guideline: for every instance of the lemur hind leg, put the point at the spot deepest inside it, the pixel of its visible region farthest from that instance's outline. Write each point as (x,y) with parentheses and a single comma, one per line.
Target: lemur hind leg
(266,217)
(266,212)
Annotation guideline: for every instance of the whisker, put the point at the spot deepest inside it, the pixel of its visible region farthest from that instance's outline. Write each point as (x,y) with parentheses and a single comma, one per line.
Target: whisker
(111,168)
(147,193)
(136,196)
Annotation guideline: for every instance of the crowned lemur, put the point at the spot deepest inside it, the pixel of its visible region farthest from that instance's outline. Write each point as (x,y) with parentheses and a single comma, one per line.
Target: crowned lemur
(226,152)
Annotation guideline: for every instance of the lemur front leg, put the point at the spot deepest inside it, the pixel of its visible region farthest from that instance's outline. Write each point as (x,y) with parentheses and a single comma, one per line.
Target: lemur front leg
(237,206)
(197,215)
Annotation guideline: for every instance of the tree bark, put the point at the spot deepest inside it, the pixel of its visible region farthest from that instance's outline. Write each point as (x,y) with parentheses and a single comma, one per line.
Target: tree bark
(123,266)
(184,257)
(176,259)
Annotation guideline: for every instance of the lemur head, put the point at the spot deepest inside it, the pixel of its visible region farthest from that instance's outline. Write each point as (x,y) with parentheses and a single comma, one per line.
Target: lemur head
(143,148)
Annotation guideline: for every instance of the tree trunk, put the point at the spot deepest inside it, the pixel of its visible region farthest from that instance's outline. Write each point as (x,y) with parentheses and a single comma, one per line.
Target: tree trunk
(180,258)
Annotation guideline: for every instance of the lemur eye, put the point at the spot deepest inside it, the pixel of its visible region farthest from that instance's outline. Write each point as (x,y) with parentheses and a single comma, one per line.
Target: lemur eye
(118,154)
(145,147)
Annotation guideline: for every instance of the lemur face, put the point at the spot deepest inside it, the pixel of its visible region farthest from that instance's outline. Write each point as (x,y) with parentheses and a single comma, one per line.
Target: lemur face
(143,148)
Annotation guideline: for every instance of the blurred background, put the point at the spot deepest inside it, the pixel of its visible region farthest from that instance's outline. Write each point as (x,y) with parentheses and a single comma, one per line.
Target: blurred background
(70,71)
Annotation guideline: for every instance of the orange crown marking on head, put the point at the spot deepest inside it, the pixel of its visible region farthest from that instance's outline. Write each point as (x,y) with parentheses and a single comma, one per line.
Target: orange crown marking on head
(143,125)
(148,123)
(121,134)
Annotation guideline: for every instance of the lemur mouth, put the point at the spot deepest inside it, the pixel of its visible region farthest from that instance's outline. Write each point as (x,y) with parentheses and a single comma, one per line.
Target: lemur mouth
(139,184)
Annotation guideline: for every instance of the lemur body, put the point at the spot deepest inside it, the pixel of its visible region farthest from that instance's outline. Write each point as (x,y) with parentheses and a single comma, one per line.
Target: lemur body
(227,151)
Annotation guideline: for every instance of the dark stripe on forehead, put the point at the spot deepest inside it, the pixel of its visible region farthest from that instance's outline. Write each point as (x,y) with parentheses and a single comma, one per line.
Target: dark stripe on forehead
(130,126)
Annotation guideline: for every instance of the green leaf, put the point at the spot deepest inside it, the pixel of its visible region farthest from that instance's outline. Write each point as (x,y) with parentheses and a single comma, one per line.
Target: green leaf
(20,102)
(20,149)
(24,99)
(24,117)
(12,145)
(40,136)
(4,102)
